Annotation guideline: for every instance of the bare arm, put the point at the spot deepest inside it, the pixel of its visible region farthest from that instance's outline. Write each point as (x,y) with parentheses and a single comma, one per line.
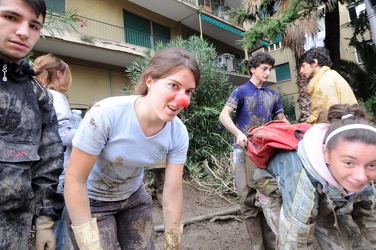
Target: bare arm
(282,117)
(173,195)
(75,189)
(225,118)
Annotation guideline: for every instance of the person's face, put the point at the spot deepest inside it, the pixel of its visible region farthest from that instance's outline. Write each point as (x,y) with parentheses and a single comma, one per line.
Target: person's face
(162,93)
(20,29)
(261,73)
(307,70)
(352,164)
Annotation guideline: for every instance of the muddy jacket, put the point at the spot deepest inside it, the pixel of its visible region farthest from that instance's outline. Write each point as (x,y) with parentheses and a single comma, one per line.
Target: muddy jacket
(309,197)
(326,89)
(31,152)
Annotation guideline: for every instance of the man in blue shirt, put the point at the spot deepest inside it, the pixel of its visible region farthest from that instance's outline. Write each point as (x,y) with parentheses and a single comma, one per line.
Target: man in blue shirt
(255,105)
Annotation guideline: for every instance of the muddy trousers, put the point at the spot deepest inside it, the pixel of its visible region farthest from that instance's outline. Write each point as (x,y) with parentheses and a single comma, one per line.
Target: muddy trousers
(257,228)
(127,224)
(63,241)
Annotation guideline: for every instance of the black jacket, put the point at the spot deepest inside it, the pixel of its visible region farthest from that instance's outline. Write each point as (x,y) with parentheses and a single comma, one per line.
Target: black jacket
(31,152)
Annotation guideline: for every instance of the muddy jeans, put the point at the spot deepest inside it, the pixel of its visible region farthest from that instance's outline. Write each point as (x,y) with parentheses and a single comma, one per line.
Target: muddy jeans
(63,241)
(268,197)
(127,223)
(244,184)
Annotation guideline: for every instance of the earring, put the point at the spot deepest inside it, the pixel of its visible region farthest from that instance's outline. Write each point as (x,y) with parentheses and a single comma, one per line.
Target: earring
(327,162)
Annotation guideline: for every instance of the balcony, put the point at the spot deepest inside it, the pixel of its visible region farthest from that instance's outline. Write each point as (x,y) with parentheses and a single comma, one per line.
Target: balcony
(91,36)
(89,29)
(215,7)
(97,41)
(214,21)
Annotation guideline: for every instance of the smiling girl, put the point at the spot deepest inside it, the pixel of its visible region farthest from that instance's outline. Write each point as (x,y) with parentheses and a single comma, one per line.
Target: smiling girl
(327,189)
(119,137)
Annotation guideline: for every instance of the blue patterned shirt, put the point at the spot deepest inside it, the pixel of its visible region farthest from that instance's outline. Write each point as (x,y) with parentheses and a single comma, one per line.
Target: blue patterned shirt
(254,106)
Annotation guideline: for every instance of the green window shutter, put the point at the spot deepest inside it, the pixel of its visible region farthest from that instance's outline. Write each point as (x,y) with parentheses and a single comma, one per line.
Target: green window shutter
(161,33)
(277,39)
(56,6)
(283,72)
(137,30)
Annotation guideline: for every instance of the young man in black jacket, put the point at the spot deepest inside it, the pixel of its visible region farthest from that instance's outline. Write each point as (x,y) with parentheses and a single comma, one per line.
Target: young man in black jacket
(31,152)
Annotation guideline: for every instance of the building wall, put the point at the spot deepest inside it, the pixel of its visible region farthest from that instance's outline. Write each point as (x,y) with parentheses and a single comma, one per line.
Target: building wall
(94,84)
(347,52)
(95,81)
(111,11)
(98,81)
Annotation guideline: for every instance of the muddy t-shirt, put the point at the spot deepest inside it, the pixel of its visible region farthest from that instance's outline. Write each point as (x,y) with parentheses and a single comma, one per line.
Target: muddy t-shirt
(254,106)
(112,131)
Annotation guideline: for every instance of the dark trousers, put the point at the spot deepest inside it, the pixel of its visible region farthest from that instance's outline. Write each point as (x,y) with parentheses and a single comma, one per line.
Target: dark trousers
(126,223)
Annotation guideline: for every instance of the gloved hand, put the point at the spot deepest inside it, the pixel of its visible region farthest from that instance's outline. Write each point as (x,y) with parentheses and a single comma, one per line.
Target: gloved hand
(87,235)
(173,238)
(44,234)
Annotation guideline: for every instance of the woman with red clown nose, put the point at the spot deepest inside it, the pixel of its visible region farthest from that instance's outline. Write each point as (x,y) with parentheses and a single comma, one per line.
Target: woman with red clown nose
(106,200)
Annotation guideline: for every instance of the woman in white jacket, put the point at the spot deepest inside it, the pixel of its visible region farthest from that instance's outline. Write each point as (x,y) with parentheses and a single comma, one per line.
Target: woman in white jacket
(327,195)
(54,74)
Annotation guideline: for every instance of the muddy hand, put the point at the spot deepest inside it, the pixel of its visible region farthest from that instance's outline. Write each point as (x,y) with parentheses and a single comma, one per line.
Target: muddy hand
(173,238)
(241,140)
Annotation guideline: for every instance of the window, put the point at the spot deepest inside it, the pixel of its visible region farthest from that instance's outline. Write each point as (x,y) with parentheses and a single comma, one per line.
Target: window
(143,32)
(282,72)
(368,46)
(56,6)
(277,44)
(355,10)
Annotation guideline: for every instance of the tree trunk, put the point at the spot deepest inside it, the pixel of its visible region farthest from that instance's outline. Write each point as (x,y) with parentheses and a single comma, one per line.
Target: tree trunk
(303,98)
(332,36)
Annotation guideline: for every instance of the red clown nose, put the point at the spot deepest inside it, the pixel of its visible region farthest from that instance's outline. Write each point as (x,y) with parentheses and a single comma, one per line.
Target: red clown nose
(182,100)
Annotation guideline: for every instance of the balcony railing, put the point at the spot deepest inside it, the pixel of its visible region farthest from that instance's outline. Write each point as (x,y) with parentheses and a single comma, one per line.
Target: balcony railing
(231,64)
(89,29)
(215,7)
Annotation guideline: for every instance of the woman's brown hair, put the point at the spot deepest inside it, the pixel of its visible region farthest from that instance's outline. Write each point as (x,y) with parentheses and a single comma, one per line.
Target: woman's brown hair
(47,67)
(340,115)
(166,62)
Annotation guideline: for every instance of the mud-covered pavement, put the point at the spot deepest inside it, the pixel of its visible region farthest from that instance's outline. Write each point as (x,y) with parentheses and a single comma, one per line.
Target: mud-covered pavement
(225,232)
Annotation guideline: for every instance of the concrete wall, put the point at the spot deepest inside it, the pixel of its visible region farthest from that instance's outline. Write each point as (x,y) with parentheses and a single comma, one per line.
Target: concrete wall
(94,84)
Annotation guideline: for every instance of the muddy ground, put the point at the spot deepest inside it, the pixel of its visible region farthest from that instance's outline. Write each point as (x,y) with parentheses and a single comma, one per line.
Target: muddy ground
(203,230)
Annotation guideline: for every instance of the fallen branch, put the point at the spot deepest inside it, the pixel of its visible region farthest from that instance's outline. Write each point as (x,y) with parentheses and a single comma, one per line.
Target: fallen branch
(161,228)
(226,217)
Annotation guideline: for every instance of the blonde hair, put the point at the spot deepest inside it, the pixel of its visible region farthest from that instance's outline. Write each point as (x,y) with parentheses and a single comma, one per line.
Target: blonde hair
(46,67)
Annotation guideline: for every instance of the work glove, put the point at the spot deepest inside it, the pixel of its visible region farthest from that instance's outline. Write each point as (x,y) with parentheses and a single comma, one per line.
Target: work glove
(87,235)
(173,238)
(44,234)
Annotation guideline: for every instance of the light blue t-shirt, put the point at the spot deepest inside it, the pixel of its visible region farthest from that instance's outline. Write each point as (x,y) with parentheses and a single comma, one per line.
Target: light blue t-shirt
(112,131)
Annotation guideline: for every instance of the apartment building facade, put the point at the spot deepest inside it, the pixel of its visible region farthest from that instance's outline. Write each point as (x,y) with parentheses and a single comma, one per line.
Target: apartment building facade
(112,34)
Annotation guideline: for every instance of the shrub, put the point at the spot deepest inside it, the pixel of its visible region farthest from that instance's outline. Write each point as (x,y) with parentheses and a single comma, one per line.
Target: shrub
(288,105)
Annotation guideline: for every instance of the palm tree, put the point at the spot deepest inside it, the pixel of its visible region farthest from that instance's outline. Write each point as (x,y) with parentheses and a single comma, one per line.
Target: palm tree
(293,34)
